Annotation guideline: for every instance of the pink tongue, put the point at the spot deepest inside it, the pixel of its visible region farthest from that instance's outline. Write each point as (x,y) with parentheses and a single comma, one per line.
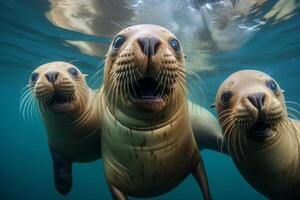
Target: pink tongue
(153,104)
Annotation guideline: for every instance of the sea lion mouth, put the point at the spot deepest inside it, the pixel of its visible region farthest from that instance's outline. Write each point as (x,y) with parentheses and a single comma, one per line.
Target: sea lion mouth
(147,93)
(60,99)
(260,129)
(146,88)
(59,102)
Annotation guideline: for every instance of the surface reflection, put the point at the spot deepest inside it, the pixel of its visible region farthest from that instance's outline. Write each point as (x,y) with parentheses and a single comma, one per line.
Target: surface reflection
(202,26)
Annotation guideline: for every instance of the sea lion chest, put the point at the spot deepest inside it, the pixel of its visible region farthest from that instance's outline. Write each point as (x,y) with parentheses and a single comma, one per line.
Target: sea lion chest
(274,170)
(147,162)
(75,136)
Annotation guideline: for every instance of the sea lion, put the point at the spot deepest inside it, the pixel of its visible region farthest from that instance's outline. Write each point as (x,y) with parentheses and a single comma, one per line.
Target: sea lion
(68,111)
(262,139)
(148,146)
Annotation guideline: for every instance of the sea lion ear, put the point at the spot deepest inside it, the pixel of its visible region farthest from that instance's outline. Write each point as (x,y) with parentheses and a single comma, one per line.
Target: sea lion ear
(213,105)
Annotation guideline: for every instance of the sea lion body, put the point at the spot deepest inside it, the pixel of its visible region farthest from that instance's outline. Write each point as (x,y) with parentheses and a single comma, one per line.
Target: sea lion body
(69,113)
(274,170)
(261,138)
(147,161)
(77,142)
(147,142)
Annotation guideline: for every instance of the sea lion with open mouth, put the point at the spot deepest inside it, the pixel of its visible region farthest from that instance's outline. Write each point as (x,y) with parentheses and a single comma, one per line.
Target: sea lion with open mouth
(148,146)
(69,114)
(262,139)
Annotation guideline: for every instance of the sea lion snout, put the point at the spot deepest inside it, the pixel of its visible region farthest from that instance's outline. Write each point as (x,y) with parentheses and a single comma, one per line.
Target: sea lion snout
(262,107)
(257,99)
(54,81)
(52,76)
(149,45)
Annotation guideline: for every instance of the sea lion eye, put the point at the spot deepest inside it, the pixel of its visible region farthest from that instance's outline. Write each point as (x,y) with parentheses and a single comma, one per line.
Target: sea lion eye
(119,40)
(73,71)
(272,85)
(175,44)
(225,98)
(34,77)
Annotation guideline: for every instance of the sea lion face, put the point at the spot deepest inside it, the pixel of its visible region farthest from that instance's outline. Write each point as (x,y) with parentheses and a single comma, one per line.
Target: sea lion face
(59,87)
(144,69)
(250,102)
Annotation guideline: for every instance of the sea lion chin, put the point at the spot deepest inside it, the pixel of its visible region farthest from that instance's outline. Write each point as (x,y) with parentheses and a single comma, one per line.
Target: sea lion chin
(263,141)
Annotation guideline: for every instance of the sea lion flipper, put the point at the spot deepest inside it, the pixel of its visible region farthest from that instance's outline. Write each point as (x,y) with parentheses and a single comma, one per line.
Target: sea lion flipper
(205,127)
(117,194)
(62,171)
(201,178)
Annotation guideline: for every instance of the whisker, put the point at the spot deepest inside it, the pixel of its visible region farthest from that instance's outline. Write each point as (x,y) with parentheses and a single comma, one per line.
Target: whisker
(227,136)
(293,116)
(293,110)
(242,132)
(292,102)
(197,80)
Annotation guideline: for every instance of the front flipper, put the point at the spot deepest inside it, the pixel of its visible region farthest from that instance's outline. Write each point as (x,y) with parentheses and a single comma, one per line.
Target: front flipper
(200,176)
(206,128)
(62,170)
(117,194)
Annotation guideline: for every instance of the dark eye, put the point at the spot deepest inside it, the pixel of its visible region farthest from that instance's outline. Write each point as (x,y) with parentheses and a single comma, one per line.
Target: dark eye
(272,85)
(175,45)
(225,98)
(119,40)
(34,77)
(73,71)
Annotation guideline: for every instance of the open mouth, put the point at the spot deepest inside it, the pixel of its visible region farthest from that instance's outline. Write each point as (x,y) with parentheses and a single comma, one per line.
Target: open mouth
(149,94)
(59,102)
(146,88)
(260,128)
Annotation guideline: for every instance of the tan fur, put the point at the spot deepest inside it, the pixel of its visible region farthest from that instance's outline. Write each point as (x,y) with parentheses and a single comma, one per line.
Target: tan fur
(146,150)
(73,129)
(269,162)
(149,160)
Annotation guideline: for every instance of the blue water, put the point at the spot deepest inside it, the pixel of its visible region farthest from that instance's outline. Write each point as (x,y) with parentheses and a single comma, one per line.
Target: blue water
(28,39)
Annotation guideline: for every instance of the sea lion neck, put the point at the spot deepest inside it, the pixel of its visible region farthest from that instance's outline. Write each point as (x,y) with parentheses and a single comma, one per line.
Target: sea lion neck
(62,118)
(142,121)
(272,137)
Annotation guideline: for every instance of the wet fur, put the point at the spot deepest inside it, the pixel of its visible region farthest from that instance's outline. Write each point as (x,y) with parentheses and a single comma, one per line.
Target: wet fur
(270,161)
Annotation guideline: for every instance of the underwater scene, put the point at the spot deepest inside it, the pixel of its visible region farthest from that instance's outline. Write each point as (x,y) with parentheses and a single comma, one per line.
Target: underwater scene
(218,38)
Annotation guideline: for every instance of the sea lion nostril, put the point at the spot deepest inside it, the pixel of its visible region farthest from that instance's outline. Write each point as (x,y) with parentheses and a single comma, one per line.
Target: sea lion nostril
(51,76)
(149,45)
(257,100)
(144,44)
(154,44)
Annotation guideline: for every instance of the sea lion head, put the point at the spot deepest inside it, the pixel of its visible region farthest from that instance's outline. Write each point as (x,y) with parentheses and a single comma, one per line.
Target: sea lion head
(58,87)
(144,70)
(250,103)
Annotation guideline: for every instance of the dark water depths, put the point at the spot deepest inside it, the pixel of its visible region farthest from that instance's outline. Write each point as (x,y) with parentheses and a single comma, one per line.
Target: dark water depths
(33,33)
